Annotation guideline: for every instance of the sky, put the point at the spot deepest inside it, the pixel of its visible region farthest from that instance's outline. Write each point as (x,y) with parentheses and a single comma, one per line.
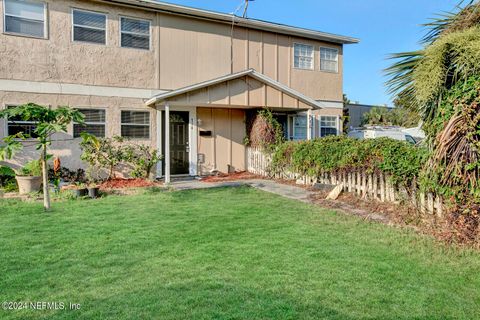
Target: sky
(383,27)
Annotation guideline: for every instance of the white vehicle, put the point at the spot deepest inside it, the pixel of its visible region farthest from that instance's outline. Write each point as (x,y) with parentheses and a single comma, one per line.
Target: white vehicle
(378,132)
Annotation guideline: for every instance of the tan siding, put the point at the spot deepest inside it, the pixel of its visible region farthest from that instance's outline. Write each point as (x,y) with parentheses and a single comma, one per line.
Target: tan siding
(225,147)
(192,51)
(237,137)
(245,92)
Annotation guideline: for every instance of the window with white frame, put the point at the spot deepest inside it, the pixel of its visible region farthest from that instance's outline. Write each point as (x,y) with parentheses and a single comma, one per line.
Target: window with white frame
(328,59)
(135,124)
(303,56)
(17,125)
(328,126)
(94,123)
(89,26)
(134,33)
(298,128)
(25,17)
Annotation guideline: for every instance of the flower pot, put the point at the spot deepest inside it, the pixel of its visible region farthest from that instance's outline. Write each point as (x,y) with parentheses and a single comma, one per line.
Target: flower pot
(28,184)
(78,193)
(93,192)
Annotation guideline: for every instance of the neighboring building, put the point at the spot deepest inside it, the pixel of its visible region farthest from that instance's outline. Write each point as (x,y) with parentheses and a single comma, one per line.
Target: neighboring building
(356,111)
(128,63)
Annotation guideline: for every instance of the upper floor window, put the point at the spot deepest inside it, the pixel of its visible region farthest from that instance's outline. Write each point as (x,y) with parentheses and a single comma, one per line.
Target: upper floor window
(303,56)
(89,26)
(328,59)
(134,33)
(135,124)
(94,123)
(328,126)
(25,18)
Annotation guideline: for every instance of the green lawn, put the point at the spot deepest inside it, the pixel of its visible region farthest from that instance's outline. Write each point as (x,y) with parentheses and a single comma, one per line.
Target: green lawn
(234,253)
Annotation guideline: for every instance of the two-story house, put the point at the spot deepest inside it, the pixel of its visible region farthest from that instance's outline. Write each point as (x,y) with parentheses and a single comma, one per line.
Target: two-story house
(158,72)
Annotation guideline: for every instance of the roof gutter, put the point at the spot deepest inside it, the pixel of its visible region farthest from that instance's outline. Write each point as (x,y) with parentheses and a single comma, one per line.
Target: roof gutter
(242,22)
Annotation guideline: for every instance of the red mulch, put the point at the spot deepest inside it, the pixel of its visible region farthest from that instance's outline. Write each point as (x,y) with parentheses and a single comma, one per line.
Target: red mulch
(221,177)
(127,183)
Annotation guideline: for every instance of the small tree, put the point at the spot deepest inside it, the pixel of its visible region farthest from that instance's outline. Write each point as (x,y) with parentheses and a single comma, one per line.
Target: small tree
(47,122)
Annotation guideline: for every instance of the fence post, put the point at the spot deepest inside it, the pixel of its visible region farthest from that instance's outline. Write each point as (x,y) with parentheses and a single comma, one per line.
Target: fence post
(382,187)
(430,203)
(439,206)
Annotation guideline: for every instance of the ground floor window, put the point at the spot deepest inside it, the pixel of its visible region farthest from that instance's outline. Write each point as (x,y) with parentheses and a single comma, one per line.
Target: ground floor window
(298,127)
(94,123)
(17,125)
(328,126)
(135,124)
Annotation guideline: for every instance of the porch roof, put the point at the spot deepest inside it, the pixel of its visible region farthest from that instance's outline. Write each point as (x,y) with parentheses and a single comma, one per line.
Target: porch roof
(245,89)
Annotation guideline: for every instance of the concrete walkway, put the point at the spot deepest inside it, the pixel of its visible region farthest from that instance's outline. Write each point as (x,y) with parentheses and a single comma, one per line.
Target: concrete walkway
(287,191)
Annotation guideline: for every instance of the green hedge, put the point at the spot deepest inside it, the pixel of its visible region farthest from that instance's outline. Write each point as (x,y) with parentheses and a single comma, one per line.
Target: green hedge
(400,160)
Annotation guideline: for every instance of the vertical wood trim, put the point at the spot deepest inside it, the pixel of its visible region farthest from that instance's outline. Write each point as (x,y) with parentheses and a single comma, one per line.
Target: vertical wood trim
(214,146)
(247,53)
(159,46)
(290,60)
(229,97)
(262,53)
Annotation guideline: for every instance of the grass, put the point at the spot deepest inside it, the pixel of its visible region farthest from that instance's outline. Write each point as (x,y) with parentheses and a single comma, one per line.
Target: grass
(233,253)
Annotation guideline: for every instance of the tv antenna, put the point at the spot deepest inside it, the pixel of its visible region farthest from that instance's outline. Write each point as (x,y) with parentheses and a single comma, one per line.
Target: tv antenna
(246,8)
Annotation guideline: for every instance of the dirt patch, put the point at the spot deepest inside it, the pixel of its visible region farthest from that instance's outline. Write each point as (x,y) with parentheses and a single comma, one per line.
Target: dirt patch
(222,177)
(127,183)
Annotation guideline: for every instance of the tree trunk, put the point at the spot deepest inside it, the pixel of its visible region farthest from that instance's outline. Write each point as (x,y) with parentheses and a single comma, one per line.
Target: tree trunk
(46,194)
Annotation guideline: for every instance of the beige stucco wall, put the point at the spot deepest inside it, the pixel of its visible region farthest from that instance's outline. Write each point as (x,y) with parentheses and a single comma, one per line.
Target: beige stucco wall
(59,59)
(65,146)
(225,147)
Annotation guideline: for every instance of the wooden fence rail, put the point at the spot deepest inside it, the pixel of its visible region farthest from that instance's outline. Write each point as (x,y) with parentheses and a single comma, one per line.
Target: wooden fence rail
(376,187)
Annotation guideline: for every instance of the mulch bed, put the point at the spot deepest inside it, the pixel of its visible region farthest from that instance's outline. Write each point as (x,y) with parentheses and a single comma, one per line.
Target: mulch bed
(119,183)
(222,177)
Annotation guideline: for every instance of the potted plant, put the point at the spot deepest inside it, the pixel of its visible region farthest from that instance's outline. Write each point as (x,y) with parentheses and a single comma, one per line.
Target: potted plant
(29,177)
(93,176)
(93,190)
(80,190)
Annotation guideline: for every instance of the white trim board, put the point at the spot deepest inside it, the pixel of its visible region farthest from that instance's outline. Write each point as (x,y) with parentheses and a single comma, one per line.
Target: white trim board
(76,89)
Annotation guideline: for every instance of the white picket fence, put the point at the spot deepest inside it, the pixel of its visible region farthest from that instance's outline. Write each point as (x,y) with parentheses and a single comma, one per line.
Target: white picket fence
(374,186)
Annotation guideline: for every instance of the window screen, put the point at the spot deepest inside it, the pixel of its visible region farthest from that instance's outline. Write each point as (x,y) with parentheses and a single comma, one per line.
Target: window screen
(303,56)
(300,128)
(17,125)
(135,33)
(329,59)
(25,17)
(135,124)
(89,26)
(328,126)
(94,123)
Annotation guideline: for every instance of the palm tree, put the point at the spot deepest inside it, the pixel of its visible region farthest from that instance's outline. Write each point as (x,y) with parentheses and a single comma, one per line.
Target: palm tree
(420,77)
(441,83)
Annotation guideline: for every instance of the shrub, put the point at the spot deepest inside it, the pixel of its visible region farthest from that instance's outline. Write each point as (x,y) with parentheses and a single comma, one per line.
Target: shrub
(31,168)
(7,179)
(400,160)
(109,153)
(102,153)
(263,130)
(142,158)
